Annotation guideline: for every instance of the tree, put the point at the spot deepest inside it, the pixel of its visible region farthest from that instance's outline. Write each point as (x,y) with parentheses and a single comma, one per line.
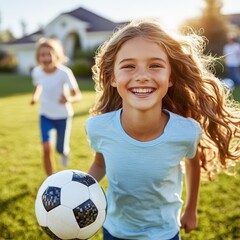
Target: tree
(24,27)
(0,21)
(212,24)
(6,36)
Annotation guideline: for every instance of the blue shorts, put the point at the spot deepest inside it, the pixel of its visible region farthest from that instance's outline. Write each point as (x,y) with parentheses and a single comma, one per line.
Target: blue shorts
(108,236)
(62,127)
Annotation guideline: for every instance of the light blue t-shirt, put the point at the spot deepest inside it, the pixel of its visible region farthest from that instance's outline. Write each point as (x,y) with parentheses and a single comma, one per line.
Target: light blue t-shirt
(144,178)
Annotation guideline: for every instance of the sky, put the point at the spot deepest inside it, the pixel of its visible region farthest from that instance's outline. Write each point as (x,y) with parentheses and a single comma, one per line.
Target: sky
(37,13)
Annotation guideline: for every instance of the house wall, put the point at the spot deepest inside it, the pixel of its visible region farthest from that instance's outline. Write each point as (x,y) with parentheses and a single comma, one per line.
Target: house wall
(97,38)
(26,61)
(69,46)
(64,25)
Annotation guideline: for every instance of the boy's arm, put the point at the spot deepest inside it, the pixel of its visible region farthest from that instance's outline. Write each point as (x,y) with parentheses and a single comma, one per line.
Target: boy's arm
(189,217)
(97,170)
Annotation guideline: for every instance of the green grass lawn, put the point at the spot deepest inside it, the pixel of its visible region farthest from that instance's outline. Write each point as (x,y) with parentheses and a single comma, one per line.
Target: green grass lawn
(22,173)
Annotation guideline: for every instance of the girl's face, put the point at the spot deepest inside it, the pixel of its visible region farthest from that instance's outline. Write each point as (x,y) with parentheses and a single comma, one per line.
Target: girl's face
(142,74)
(47,58)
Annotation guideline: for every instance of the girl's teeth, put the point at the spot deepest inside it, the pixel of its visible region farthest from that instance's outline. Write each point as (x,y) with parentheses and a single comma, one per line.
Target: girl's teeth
(141,90)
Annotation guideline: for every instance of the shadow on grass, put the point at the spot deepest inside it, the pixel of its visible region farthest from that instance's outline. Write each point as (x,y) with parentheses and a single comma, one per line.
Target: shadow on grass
(6,230)
(8,203)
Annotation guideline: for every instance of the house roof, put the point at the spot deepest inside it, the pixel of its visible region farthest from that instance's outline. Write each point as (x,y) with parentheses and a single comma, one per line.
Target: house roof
(96,22)
(31,38)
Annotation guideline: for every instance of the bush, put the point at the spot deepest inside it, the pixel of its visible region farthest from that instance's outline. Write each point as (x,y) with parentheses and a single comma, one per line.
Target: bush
(81,68)
(8,62)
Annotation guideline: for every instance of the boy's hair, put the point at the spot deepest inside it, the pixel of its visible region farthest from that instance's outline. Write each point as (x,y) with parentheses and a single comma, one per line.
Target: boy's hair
(55,45)
(196,92)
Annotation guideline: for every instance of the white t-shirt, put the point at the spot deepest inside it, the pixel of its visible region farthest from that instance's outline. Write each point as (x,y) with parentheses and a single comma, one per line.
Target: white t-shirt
(232,54)
(144,178)
(53,86)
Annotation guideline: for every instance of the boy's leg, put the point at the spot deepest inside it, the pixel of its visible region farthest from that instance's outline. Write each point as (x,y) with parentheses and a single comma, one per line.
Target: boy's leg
(63,128)
(49,164)
(46,126)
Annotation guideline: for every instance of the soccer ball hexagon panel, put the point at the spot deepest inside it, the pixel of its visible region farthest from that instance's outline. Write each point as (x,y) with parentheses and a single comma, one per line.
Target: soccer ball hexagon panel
(70,204)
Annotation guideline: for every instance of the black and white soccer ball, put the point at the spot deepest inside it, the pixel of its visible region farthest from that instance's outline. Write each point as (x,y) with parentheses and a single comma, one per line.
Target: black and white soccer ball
(70,204)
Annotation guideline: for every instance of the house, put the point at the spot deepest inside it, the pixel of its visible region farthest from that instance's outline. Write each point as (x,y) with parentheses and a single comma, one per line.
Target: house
(79,27)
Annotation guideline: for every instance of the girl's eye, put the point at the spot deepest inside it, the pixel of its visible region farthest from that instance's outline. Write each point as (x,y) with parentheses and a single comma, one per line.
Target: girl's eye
(128,66)
(155,66)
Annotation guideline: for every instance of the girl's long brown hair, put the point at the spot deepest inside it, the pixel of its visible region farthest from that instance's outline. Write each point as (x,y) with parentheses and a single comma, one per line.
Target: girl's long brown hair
(196,92)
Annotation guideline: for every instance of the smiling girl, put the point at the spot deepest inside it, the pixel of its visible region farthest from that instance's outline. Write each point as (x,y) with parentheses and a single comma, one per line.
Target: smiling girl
(158,104)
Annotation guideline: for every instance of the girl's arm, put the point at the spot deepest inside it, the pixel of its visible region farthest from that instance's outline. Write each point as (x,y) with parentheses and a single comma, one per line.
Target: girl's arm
(97,170)
(189,217)
(36,94)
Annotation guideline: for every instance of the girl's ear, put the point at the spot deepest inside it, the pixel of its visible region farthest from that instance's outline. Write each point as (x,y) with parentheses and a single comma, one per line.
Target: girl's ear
(171,82)
(113,82)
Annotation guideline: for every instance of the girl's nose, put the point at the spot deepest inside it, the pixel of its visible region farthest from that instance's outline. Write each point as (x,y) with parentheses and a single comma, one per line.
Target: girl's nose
(142,79)
(142,76)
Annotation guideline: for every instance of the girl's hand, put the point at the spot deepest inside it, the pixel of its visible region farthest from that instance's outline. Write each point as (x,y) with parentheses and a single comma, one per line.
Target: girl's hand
(189,221)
